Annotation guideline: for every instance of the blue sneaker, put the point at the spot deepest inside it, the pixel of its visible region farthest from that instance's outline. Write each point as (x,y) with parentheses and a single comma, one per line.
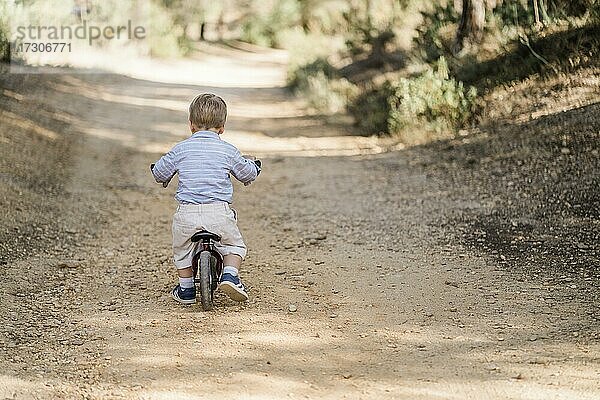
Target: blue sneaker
(233,287)
(184,296)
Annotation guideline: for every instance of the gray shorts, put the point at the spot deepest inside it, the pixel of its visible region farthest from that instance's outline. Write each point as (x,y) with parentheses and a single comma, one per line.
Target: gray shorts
(217,218)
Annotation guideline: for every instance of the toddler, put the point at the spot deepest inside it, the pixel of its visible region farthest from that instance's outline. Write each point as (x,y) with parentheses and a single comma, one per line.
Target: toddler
(204,163)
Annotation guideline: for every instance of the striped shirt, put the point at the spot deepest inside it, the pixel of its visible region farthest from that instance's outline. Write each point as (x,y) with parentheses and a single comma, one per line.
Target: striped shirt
(204,163)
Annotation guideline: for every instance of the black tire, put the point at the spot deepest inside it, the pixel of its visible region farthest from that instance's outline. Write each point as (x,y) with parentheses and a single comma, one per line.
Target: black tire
(204,273)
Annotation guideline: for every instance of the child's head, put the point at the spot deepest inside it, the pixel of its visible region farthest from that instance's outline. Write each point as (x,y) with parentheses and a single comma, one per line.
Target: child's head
(208,112)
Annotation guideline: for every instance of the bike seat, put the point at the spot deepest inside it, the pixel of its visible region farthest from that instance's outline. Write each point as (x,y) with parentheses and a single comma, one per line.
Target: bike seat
(205,236)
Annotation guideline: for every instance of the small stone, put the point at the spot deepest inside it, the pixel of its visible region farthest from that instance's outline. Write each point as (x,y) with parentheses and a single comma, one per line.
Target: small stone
(292,308)
(67,264)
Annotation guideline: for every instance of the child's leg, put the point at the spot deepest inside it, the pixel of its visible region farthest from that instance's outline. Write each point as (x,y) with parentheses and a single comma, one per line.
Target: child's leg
(222,221)
(183,228)
(185,272)
(230,282)
(232,260)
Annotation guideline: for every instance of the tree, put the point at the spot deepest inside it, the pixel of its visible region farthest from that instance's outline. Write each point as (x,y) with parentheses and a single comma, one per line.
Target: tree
(472,22)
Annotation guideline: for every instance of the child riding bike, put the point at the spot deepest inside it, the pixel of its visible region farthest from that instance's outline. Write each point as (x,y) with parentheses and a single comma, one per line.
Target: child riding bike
(204,163)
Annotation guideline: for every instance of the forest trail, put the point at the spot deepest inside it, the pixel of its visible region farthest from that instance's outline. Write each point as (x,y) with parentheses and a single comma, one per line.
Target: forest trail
(359,288)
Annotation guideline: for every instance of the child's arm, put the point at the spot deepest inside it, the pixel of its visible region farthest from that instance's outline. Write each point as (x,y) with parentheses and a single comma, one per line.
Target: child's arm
(245,170)
(165,169)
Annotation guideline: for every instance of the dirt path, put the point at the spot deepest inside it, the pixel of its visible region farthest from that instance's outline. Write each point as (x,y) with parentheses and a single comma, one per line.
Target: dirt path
(388,304)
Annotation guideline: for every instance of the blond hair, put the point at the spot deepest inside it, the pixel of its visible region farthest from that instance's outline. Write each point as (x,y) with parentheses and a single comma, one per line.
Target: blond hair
(208,111)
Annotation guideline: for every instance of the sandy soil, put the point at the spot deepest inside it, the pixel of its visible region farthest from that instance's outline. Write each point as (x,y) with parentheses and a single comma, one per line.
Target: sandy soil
(390,302)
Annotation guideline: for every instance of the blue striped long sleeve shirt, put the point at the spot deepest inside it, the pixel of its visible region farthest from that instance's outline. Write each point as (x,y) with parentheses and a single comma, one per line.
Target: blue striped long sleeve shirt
(204,163)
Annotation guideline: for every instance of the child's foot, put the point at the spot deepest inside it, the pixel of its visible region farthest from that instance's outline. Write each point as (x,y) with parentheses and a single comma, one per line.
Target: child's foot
(233,287)
(184,296)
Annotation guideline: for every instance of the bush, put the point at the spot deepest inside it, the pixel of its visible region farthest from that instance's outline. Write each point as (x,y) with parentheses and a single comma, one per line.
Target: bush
(263,29)
(319,84)
(326,95)
(371,109)
(427,107)
(164,38)
(305,47)
(428,41)
(4,38)
(299,76)
(432,102)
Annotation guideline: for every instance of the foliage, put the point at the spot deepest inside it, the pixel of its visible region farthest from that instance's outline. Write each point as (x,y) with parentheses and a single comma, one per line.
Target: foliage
(263,29)
(433,101)
(326,95)
(298,77)
(4,34)
(371,109)
(164,39)
(428,41)
(305,47)
(431,105)
(320,85)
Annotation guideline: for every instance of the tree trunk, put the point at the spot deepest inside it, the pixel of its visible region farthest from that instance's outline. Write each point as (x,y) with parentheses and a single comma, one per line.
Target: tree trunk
(305,14)
(472,22)
(544,12)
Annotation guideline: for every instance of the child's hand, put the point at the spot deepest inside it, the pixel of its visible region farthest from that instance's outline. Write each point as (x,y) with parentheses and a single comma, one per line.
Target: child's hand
(248,157)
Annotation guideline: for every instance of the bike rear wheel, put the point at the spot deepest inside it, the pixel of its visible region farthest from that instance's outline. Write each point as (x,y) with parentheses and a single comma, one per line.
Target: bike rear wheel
(205,278)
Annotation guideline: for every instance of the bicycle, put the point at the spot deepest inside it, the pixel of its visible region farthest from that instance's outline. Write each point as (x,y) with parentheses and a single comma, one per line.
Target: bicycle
(207,266)
(207,262)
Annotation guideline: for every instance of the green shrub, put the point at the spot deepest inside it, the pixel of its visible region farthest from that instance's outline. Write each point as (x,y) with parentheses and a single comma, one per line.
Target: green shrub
(298,77)
(431,102)
(305,47)
(263,29)
(371,109)
(164,38)
(418,109)
(326,95)
(319,84)
(428,41)
(4,39)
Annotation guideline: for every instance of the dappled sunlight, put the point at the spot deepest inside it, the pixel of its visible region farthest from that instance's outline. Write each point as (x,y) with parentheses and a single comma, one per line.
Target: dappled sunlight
(10,385)
(93,93)
(17,121)
(253,118)
(473,389)
(209,70)
(422,228)
(303,355)
(263,145)
(264,109)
